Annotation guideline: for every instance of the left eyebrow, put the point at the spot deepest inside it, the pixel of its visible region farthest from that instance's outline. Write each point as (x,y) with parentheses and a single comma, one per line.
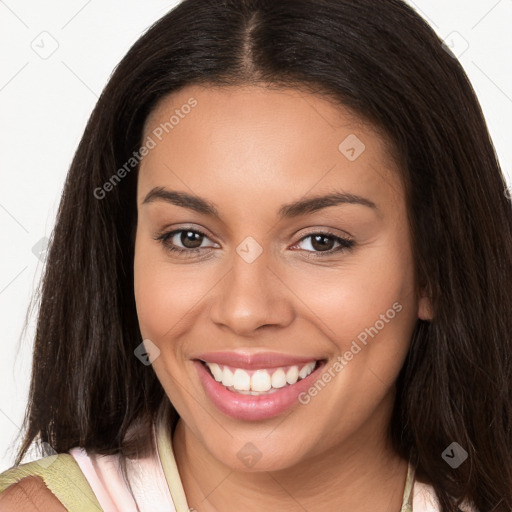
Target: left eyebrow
(314,204)
(294,209)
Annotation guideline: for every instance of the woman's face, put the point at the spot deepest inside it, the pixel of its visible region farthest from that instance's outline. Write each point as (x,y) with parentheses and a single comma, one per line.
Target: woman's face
(281,329)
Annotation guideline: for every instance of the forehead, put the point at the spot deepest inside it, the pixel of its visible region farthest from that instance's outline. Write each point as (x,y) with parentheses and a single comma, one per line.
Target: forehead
(244,143)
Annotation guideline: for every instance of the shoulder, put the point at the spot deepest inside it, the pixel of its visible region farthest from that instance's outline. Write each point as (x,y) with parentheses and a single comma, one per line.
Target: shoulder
(30,494)
(56,482)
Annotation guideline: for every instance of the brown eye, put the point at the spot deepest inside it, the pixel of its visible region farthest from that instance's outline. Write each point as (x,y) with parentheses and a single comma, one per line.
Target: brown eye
(185,241)
(191,239)
(323,243)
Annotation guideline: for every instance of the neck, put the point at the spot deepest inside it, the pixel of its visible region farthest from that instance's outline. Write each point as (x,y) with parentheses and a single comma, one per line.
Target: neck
(370,477)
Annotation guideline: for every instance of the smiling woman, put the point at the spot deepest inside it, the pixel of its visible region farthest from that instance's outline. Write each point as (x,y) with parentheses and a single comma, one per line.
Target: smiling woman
(299,299)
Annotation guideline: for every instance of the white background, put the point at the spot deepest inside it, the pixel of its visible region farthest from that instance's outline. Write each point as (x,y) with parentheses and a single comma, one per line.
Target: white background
(45,103)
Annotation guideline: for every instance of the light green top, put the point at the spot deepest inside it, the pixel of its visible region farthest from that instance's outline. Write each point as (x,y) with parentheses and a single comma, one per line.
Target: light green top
(62,476)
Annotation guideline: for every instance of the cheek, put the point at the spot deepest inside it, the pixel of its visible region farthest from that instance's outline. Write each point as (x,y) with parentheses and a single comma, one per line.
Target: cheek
(166,294)
(156,298)
(353,297)
(368,311)
(165,304)
(381,311)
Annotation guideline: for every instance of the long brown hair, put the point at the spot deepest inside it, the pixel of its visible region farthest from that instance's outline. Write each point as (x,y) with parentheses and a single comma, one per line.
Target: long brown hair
(382,61)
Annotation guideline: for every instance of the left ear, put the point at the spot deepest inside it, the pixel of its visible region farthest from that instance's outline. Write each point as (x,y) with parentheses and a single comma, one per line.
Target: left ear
(425,306)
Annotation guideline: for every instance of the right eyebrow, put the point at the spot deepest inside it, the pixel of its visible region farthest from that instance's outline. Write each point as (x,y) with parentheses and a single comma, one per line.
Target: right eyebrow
(192,202)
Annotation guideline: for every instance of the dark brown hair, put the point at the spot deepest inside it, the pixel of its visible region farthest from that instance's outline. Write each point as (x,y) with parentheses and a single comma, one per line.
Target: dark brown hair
(379,59)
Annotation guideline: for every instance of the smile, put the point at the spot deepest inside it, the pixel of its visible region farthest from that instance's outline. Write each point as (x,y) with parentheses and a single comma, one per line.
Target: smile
(256,382)
(258,386)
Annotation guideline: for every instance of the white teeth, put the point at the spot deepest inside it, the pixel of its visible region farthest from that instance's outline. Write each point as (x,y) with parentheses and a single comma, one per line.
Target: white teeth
(279,379)
(306,370)
(292,375)
(241,380)
(216,371)
(227,377)
(259,381)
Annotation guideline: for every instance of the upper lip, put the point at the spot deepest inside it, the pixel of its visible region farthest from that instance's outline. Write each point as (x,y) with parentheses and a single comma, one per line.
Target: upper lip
(254,361)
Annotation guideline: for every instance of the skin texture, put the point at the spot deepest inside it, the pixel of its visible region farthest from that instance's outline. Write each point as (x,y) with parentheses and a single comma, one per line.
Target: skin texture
(30,494)
(249,150)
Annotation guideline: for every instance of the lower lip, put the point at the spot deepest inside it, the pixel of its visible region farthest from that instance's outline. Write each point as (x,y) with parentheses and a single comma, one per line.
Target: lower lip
(253,407)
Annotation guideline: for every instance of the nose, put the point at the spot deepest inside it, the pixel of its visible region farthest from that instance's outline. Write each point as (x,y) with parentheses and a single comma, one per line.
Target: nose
(251,296)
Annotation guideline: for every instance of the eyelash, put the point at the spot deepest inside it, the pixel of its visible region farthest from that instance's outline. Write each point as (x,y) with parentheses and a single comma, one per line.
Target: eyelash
(345,243)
